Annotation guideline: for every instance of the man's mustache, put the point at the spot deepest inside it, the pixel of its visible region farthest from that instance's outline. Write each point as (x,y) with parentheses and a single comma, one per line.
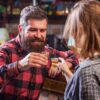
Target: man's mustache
(36,39)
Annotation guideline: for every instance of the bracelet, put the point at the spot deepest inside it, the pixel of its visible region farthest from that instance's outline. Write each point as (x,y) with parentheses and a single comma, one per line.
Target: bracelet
(18,67)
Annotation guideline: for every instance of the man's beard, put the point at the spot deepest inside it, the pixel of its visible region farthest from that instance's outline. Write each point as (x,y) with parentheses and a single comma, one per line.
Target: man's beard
(33,44)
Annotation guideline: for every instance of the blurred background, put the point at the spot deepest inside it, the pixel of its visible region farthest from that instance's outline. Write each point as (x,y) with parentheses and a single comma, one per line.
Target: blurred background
(57,11)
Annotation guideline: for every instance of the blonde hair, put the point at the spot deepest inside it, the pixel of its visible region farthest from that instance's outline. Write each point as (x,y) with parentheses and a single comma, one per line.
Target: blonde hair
(84,19)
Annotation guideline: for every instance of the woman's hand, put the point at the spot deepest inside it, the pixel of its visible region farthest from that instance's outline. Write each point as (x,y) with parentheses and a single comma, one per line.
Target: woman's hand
(65,66)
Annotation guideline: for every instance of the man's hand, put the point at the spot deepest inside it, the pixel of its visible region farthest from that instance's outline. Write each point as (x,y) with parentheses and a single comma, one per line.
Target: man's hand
(33,60)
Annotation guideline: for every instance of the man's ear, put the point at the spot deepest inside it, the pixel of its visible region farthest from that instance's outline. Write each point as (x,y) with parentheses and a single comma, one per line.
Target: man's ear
(19,28)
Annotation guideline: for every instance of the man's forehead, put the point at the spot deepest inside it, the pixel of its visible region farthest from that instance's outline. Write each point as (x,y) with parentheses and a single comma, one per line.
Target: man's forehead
(38,23)
(36,27)
(37,20)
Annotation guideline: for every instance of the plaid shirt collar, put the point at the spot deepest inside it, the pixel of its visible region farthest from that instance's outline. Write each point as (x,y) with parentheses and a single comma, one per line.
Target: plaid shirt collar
(18,41)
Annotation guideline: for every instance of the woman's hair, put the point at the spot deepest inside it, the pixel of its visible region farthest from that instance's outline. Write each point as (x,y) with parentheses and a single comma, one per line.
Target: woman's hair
(32,12)
(84,19)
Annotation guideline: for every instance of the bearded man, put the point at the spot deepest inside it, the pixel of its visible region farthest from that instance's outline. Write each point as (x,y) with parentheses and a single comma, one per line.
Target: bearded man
(25,60)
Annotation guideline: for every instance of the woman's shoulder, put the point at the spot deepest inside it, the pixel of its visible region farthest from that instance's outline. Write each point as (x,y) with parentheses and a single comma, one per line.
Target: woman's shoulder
(90,70)
(88,67)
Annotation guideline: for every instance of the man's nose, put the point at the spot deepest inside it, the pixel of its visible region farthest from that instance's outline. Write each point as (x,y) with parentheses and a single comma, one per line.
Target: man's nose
(38,34)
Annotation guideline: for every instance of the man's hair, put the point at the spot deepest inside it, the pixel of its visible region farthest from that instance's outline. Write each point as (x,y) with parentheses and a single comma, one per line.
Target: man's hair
(32,12)
(85,20)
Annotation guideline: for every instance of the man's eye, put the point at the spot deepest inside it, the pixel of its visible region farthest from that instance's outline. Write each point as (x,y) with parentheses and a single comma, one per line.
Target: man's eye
(42,30)
(32,30)
(35,30)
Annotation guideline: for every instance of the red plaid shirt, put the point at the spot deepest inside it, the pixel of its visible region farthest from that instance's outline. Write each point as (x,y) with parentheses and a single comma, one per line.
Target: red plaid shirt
(15,85)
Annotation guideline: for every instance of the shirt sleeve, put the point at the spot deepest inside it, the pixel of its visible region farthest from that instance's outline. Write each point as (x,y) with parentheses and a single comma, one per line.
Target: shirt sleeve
(89,85)
(7,70)
(70,57)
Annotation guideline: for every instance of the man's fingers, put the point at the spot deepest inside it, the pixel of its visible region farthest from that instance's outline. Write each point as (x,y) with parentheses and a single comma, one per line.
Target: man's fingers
(38,60)
(41,55)
(35,65)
